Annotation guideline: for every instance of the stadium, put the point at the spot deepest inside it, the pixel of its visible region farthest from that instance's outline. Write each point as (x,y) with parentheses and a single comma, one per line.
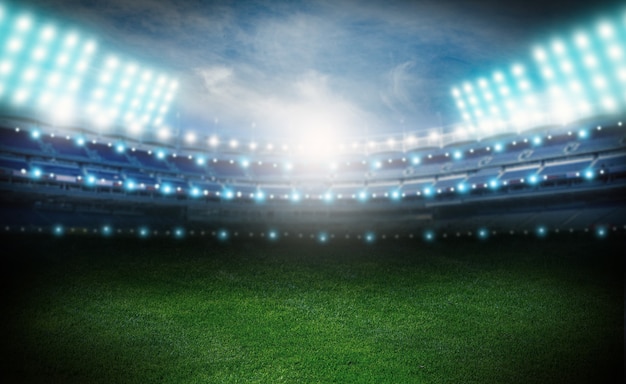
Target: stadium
(143,249)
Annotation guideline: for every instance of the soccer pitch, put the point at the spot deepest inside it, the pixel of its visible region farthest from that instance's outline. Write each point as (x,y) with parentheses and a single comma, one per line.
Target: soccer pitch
(508,310)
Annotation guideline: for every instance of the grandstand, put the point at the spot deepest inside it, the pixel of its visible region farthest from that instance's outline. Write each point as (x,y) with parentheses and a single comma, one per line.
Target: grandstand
(563,177)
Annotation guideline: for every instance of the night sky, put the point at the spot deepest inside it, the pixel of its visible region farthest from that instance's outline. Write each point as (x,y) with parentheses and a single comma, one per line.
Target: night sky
(292,69)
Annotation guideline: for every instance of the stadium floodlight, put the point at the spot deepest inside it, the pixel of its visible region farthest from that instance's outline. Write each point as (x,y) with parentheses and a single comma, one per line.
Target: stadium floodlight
(605,30)
(129,185)
(36,173)
(533,179)
(143,232)
(429,236)
(190,137)
(106,231)
(178,233)
(272,235)
(482,233)
(369,237)
(295,197)
(58,230)
(395,195)
(322,237)
(601,232)
(541,231)
(588,174)
(259,196)
(195,192)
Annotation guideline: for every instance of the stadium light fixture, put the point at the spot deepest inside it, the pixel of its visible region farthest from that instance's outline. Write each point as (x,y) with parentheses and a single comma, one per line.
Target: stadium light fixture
(36,173)
(106,231)
(542,231)
(369,237)
(58,230)
(483,233)
(143,232)
(129,185)
(429,236)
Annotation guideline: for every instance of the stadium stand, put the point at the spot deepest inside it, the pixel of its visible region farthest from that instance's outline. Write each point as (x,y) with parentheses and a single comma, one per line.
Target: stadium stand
(495,183)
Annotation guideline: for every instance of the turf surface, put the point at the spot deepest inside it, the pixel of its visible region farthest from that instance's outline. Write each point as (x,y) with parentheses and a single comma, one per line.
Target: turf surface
(514,310)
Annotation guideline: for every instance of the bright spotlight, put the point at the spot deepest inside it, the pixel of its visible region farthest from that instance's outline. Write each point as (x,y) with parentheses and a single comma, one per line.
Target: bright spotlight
(190,137)
(588,174)
(369,237)
(58,230)
(322,237)
(483,233)
(362,196)
(222,235)
(106,231)
(143,232)
(542,231)
(429,236)
(272,235)
(179,233)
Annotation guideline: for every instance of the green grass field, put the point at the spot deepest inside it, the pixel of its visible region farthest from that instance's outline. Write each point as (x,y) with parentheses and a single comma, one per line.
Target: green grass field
(510,310)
